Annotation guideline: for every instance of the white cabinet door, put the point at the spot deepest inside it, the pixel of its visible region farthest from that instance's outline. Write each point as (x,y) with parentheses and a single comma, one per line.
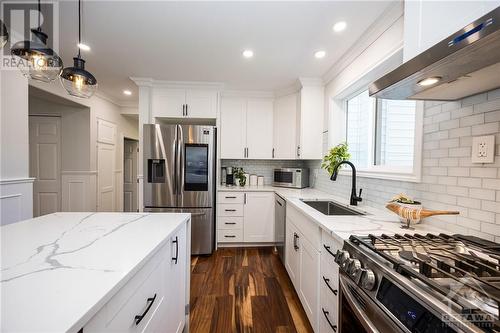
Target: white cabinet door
(258,220)
(426,23)
(285,127)
(311,122)
(168,103)
(309,281)
(259,128)
(201,104)
(233,128)
(175,270)
(292,254)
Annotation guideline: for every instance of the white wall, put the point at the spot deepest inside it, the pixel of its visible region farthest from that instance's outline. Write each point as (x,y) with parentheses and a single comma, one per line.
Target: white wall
(16,188)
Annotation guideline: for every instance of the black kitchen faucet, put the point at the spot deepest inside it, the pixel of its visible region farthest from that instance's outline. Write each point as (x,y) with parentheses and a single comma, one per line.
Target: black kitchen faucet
(354,198)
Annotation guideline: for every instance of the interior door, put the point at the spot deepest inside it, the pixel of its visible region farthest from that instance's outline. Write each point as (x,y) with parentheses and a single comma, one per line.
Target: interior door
(105,177)
(160,158)
(196,166)
(130,175)
(45,163)
(259,128)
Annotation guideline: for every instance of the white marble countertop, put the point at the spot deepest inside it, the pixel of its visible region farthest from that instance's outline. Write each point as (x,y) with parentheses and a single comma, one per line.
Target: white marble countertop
(58,270)
(376,221)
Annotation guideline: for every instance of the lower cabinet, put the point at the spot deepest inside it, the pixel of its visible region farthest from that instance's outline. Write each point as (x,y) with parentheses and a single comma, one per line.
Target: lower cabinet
(245,217)
(302,262)
(154,299)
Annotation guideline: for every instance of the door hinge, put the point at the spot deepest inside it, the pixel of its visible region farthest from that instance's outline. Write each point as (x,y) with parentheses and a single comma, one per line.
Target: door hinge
(186,309)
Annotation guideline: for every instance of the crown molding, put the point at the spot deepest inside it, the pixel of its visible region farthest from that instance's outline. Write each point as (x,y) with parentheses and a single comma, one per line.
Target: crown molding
(150,82)
(311,82)
(291,89)
(387,19)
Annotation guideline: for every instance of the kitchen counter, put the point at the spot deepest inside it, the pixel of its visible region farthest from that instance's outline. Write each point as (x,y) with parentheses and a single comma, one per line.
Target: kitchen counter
(376,221)
(58,270)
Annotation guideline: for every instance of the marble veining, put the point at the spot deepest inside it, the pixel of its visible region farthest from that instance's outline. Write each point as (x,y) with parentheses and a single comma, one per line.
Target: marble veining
(60,269)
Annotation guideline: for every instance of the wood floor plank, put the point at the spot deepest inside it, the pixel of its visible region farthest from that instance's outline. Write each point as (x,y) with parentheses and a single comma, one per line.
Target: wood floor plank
(244,290)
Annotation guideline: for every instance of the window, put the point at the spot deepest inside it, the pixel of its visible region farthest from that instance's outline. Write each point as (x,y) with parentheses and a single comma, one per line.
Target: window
(382,136)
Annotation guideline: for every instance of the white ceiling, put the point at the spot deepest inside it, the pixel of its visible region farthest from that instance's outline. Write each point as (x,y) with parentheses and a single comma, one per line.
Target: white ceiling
(203,41)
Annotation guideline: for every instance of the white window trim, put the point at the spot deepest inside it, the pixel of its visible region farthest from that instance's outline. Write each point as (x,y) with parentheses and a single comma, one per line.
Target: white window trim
(394,173)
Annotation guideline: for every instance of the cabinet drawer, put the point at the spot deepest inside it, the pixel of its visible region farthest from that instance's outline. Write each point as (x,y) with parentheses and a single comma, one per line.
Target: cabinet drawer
(230,197)
(230,210)
(230,236)
(232,223)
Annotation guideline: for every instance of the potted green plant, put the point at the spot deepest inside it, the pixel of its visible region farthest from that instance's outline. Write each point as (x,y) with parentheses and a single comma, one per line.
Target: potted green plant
(335,155)
(239,174)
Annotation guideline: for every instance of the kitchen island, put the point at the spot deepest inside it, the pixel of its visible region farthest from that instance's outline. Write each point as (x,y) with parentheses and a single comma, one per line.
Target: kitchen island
(65,272)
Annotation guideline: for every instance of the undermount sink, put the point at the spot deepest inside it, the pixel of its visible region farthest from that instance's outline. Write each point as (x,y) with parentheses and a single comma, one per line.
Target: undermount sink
(331,208)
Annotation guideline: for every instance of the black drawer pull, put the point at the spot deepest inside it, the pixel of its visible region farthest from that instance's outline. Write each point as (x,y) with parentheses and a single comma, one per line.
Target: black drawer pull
(230,236)
(295,243)
(327,248)
(229,222)
(326,313)
(176,241)
(327,281)
(230,210)
(230,197)
(151,300)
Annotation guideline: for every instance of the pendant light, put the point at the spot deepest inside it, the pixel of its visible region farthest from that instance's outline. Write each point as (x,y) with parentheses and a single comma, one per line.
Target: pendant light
(39,62)
(4,35)
(76,80)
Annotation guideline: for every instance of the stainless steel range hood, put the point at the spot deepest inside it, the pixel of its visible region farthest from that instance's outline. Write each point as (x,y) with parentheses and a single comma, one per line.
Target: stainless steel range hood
(464,64)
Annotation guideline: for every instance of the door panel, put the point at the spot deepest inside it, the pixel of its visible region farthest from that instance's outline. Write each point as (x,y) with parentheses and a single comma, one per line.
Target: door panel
(160,182)
(196,166)
(285,127)
(259,128)
(130,176)
(201,104)
(292,256)
(309,282)
(233,128)
(105,177)
(168,102)
(259,217)
(45,163)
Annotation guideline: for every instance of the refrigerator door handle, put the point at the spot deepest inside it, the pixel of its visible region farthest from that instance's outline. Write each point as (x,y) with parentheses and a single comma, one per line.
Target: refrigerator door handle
(180,156)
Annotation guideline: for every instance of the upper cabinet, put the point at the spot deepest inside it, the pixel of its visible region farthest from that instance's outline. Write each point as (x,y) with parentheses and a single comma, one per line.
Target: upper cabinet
(286,127)
(184,103)
(312,111)
(428,22)
(246,128)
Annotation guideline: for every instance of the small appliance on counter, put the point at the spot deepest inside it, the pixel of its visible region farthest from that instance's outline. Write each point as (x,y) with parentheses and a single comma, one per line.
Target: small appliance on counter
(229,176)
(291,177)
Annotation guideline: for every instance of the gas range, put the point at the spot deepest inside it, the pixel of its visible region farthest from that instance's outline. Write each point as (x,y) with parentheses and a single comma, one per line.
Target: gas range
(423,283)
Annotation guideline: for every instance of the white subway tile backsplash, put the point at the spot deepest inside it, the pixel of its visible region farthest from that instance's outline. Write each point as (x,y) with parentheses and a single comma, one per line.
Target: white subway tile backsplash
(482,194)
(492,105)
(472,120)
(489,128)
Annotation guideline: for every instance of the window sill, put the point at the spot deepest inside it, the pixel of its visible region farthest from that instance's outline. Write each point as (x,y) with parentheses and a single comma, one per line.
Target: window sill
(386,175)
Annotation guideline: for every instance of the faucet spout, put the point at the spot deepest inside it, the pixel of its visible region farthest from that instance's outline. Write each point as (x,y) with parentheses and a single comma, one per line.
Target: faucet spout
(354,197)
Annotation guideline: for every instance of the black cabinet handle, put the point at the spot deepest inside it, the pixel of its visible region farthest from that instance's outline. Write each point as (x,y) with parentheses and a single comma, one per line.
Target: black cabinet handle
(229,236)
(327,248)
(230,197)
(229,222)
(327,281)
(187,106)
(279,203)
(295,238)
(230,210)
(326,313)
(176,241)
(139,318)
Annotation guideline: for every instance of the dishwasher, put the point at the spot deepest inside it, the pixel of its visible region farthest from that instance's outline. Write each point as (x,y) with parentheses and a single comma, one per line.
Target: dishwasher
(279,225)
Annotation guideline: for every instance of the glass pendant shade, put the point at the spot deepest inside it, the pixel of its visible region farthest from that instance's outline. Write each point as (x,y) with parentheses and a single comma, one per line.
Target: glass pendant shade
(4,35)
(77,81)
(38,61)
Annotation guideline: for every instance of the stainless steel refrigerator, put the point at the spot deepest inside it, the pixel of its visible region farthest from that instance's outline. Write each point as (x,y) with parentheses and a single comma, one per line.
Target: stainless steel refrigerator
(179,167)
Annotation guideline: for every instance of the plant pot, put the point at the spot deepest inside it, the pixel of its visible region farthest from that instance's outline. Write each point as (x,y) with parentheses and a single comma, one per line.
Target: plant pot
(416,205)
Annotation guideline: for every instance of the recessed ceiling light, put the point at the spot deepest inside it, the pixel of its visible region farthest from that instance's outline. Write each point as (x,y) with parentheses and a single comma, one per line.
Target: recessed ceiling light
(248,53)
(339,26)
(83,47)
(127,92)
(429,81)
(319,54)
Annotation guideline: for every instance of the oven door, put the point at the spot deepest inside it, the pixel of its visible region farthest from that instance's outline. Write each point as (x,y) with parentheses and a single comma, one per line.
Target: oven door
(358,312)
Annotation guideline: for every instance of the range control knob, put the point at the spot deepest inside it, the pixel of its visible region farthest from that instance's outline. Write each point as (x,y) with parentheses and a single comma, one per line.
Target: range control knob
(354,269)
(346,262)
(341,256)
(368,279)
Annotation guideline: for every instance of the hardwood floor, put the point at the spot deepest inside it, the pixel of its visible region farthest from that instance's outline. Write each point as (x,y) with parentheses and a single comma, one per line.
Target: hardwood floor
(244,290)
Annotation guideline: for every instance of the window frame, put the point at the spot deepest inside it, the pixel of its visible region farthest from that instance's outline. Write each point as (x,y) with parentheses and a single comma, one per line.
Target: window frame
(384,171)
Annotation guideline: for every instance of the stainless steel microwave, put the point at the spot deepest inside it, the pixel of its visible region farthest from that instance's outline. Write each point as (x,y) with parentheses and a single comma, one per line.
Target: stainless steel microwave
(291,177)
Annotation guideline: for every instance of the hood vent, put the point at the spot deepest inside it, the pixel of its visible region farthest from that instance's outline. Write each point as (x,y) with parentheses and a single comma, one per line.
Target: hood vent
(464,64)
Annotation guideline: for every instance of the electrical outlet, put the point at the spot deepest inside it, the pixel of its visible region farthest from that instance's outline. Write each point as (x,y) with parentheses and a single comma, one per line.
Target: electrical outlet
(483,149)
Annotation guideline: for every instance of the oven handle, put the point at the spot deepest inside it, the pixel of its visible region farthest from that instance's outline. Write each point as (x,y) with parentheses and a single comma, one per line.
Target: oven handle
(365,321)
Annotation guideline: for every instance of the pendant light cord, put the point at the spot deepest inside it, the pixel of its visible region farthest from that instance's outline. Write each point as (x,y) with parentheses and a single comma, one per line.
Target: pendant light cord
(79,27)
(39,15)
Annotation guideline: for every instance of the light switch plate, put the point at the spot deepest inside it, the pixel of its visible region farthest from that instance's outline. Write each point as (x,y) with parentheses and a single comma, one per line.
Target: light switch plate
(483,149)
